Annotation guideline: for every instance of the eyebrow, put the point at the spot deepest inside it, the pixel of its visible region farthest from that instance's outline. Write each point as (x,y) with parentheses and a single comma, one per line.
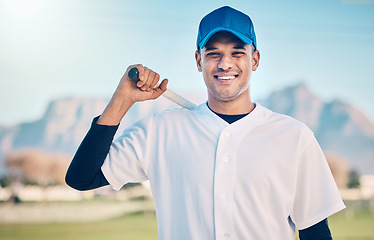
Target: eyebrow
(239,47)
(210,48)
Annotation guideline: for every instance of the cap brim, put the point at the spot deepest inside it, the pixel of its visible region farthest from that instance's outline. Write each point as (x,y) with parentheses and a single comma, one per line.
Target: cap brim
(241,36)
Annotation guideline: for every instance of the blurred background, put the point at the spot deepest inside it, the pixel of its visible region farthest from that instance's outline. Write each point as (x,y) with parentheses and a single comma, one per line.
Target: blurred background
(61,60)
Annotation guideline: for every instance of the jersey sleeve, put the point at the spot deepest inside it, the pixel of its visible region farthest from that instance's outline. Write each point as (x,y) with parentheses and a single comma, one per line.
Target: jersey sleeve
(128,154)
(317,195)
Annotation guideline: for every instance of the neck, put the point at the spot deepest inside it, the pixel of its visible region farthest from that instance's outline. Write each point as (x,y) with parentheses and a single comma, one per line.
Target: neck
(233,107)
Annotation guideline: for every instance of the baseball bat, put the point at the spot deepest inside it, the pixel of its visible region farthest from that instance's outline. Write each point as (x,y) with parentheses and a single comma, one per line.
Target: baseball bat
(172,96)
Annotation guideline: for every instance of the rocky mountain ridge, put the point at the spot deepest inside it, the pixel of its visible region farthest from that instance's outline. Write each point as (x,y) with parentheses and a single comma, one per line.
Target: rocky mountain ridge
(338,126)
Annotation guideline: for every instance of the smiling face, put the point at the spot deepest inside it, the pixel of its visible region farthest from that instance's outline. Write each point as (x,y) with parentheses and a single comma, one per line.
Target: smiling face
(227,64)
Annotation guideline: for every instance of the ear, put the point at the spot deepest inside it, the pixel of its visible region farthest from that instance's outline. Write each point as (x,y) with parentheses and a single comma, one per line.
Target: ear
(255,60)
(198,60)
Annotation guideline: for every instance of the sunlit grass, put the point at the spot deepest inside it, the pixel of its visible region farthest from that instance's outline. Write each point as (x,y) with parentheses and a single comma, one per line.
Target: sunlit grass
(142,226)
(137,226)
(357,227)
(345,226)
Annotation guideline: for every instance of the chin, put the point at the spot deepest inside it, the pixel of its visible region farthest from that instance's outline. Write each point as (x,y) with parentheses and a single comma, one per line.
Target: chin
(227,96)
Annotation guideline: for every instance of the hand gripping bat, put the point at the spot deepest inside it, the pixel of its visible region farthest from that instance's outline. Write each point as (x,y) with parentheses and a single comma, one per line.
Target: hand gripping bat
(172,96)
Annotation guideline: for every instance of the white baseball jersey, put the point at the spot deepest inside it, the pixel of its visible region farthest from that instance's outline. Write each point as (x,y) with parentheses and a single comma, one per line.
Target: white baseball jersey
(257,178)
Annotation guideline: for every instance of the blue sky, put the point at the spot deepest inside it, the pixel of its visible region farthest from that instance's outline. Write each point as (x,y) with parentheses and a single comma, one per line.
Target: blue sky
(51,49)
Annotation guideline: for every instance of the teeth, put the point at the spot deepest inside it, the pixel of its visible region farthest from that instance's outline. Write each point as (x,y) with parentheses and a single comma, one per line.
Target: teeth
(226,77)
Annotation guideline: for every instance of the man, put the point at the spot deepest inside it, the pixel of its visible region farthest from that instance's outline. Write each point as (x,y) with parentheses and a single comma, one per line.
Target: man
(228,169)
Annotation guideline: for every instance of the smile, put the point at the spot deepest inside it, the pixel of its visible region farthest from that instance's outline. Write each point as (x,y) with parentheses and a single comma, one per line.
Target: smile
(225,78)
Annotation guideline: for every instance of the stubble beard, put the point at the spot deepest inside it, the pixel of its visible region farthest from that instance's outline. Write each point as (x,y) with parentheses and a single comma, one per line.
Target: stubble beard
(226,95)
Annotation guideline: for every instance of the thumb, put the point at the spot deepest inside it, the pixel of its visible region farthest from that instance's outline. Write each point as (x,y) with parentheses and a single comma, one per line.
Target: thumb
(158,91)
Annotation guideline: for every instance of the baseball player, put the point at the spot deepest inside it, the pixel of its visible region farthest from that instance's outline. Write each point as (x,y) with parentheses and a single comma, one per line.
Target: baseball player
(227,169)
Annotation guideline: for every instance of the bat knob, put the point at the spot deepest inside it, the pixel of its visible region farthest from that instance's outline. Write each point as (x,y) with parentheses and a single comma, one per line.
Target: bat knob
(134,74)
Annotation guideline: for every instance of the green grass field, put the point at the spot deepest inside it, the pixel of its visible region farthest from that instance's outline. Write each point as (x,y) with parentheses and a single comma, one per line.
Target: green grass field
(137,226)
(142,226)
(359,227)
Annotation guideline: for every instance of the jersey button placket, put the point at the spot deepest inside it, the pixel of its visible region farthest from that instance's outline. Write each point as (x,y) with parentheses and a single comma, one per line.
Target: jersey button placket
(224,196)
(223,186)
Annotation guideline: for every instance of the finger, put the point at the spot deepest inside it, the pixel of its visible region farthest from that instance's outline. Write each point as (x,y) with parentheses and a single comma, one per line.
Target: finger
(155,81)
(151,76)
(141,71)
(144,78)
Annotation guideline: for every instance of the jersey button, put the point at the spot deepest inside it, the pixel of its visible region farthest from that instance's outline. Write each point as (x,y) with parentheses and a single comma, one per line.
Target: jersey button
(227,134)
(225,159)
(226,235)
(224,196)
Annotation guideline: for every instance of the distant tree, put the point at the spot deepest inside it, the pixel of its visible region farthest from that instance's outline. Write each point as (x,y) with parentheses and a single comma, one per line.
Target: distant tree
(5,181)
(36,166)
(354,179)
(339,168)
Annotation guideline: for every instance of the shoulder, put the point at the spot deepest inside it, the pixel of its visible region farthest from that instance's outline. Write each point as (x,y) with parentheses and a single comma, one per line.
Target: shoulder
(284,122)
(169,117)
(179,114)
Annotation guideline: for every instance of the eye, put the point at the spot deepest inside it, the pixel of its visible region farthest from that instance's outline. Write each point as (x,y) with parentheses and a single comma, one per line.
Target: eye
(212,54)
(238,54)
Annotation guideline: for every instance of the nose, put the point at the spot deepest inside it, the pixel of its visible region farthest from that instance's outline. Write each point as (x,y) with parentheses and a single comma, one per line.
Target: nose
(225,62)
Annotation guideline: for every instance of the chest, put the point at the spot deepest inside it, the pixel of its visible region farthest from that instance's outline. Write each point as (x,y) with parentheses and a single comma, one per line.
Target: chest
(233,158)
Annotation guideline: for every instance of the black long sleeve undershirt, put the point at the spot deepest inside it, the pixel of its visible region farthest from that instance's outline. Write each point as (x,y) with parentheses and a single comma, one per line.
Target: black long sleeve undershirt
(319,231)
(85,173)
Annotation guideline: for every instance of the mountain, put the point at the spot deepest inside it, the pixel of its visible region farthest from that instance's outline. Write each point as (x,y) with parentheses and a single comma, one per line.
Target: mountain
(338,126)
(66,121)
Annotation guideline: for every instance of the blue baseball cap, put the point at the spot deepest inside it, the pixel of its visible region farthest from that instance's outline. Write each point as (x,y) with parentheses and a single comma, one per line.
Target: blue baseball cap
(226,19)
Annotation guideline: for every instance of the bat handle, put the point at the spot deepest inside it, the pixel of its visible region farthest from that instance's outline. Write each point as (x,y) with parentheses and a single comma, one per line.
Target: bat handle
(134,74)
(172,96)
